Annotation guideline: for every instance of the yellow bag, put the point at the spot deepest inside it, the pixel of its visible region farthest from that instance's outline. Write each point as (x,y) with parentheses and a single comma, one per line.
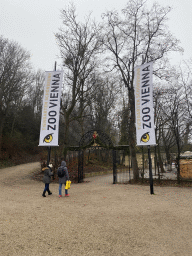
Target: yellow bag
(68,184)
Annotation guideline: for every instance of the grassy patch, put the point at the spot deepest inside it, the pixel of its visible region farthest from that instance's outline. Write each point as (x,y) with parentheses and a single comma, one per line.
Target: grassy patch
(6,164)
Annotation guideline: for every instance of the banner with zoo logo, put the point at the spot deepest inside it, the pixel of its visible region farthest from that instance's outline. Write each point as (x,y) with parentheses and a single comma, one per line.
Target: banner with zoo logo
(145,130)
(51,107)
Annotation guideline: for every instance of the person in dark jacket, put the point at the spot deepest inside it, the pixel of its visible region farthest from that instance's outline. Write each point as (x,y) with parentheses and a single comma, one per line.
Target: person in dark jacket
(47,179)
(63,179)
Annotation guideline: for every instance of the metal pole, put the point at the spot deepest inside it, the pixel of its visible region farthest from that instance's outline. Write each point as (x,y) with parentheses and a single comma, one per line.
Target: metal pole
(155,161)
(150,171)
(129,166)
(143,160)
(49,155)
(149,156)
(49,148)
(114,167)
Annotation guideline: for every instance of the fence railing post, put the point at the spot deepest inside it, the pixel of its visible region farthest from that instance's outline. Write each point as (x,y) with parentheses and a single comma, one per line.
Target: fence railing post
(114,168)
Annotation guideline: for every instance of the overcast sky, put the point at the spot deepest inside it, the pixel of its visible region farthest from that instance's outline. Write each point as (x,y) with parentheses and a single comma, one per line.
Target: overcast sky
(32,23)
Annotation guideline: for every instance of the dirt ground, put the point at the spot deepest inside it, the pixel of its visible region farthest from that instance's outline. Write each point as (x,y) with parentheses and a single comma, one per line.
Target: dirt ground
(99,218)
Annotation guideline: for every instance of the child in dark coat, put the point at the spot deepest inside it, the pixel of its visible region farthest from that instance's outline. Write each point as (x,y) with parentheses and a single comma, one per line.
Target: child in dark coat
(47,179)
(63,179)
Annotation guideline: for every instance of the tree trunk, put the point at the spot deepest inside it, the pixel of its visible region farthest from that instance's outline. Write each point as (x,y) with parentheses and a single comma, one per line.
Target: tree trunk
(1,135)
(132,135)
(66,135)
(178,161)
(167,154)
(159,159)
(12,127)
(134,163)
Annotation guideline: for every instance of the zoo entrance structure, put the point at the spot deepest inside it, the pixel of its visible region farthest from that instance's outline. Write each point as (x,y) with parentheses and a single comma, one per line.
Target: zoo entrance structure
(98,140)
(119,156)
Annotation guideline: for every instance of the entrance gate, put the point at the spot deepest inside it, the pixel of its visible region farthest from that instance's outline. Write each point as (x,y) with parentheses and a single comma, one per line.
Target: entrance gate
(96,139)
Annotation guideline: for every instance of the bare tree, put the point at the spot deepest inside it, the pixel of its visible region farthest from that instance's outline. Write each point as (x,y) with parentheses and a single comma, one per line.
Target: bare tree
(137,32)
(176,116)
(163,95)
(35,92)
(185,80)
(15,77)
(79,44)
(103,101)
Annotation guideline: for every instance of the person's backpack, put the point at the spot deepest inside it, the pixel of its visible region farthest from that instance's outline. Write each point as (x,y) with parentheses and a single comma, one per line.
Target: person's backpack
(61,172)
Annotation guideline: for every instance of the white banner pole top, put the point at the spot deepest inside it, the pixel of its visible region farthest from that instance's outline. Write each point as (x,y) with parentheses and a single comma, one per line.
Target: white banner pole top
(145,130)
(49,130)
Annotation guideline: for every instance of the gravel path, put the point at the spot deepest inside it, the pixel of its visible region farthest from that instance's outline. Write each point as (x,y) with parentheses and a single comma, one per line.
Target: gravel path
(98,218)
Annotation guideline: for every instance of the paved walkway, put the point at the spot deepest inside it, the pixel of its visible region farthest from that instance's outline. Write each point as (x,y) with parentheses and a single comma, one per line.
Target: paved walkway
(99,218)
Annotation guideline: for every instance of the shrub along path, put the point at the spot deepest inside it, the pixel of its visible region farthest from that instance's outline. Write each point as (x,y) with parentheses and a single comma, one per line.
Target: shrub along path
(99,218)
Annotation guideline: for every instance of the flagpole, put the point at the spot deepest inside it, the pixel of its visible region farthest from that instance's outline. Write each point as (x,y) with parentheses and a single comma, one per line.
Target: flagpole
(150,171)
(49,148)
(149,158)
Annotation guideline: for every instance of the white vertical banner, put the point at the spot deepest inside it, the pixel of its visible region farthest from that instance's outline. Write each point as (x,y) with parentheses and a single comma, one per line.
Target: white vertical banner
(145,130)
(49,130)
